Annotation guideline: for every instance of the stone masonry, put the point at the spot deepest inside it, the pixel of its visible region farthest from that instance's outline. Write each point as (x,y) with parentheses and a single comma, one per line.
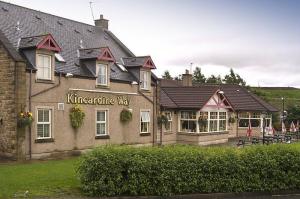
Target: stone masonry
(12,101)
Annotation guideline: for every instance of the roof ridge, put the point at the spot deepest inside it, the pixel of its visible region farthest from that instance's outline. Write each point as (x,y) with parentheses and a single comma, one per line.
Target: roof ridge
(46,13)
(169,96)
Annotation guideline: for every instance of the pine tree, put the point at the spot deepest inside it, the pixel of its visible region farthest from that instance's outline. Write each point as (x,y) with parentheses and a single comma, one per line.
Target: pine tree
(198,76)
(167,75)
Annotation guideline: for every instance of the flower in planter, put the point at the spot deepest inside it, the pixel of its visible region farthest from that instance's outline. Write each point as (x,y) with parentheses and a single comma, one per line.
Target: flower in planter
(125,115)
(76,116)
(25,119)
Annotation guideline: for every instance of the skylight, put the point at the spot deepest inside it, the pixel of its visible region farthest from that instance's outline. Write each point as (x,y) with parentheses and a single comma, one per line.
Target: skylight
(122,67)
(59,57)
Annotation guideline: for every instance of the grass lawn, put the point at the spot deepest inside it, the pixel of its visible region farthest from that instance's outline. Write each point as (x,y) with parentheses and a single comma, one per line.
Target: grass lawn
(39,178)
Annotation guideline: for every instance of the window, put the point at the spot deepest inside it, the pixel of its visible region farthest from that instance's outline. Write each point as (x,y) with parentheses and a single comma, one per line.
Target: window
(213,122)
(102,74)
(101,122)
(188,121)
(203,122)
(244,119)
(168,126)
(145,80)
(44,68)
(43,123)
(145,121)
(222,121)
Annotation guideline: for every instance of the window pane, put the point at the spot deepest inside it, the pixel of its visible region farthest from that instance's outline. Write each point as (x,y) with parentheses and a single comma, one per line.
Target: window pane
(169,116)
(40,130)
(255,115)
(46,130)
(101,129)
(213,115)
(144,127)
(255,122)
(213,125)
(243,122)
(204,115)
(188,126)
(222,124)
(101,116)
(145,116)
(40,115)
(222,115)
(102,74)
(46,116)
(203,126)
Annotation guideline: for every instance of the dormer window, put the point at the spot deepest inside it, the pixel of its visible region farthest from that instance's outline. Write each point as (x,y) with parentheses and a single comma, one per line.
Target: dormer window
(145,80)
(44,47)
(102,74)
(44,67)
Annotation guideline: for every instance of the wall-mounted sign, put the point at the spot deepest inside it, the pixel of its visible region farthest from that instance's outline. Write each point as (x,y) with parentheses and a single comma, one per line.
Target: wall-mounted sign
(74,98)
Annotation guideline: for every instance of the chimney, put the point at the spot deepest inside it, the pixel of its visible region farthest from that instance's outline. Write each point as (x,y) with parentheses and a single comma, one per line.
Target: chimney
(187,78)
(102,23)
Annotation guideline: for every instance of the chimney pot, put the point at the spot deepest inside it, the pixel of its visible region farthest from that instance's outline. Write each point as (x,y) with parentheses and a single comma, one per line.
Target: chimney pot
(101,22)
(187,79)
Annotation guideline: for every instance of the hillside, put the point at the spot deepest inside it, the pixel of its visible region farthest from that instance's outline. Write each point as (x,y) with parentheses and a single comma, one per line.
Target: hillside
(274,94)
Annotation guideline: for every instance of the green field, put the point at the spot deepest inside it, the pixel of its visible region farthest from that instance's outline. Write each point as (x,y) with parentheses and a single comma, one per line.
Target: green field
(274,94)
(39,178)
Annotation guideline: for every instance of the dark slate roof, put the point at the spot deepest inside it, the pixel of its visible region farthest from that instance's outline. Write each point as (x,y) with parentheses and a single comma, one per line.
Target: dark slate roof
(89,53)
(238,96)
(29,42)
(10,49)
(17,22)
(134,61)
(186,97)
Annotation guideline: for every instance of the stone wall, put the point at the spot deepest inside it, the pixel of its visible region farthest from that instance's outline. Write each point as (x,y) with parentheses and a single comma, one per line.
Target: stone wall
(12,101)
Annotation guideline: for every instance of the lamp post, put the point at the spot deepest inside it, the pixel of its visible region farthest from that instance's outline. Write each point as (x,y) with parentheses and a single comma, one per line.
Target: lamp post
(282,99)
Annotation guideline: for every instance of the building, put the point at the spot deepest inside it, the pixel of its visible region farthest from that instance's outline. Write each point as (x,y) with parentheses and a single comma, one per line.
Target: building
(205,114)
(49,65)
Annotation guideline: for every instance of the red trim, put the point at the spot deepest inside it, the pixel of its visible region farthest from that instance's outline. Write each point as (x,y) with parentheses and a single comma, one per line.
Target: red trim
(106,55)
(218,103)
(49,43)
(149,63)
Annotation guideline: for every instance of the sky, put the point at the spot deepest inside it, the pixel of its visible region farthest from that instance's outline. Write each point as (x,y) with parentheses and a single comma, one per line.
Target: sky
(259,39)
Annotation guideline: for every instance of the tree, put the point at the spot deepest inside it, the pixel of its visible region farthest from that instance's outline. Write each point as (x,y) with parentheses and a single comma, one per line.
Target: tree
(178,78)
(198,76)
(167,75)
(214,79)
(293,114)
(233,78)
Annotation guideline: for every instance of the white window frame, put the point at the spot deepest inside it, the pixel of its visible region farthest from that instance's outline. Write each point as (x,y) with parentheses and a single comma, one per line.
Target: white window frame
(102,75)
(148,122)
(184,119)
(219,119)
(43,67)
(50,109)
(215,119)
(250,117)
(106,122)
(145,84)
(170,120)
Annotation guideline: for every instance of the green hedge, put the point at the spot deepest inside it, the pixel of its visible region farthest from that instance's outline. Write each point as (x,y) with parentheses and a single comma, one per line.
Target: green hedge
(121,170)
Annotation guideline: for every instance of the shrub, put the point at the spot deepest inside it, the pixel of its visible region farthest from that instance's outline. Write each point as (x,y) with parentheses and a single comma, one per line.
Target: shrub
(123,170)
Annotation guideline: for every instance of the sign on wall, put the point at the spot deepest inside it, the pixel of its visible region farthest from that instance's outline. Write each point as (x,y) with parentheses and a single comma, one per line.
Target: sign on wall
(74,98)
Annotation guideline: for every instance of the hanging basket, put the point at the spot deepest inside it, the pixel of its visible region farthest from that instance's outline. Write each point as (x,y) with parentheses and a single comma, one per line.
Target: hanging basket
(125,115)
(231,120)
(25,119)
(76,116)
(162,120)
